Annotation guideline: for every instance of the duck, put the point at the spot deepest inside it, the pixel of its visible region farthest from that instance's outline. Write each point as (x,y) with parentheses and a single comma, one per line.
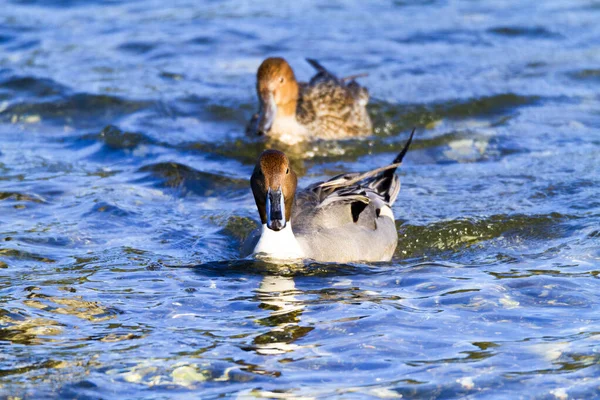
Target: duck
(327,107)
(347,218)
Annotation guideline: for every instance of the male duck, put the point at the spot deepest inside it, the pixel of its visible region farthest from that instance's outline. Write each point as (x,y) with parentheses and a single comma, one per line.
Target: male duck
(347,218)
(325,108)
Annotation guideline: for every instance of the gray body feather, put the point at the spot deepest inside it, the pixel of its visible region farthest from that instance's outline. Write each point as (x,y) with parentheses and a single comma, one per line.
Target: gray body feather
(345,223)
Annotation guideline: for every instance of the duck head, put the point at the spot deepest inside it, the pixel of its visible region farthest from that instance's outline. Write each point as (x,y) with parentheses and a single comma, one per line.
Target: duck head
(273,184)
(277,91)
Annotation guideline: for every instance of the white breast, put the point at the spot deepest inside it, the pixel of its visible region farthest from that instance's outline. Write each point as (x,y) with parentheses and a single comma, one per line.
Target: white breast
(281,245)
(288,130)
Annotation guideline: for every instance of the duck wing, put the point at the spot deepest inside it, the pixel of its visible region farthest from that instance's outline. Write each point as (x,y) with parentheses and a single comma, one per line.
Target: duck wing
(356,197)
(333,107)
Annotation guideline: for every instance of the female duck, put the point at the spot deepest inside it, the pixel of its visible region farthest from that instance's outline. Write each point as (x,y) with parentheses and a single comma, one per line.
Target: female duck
(347,218)
(324,108)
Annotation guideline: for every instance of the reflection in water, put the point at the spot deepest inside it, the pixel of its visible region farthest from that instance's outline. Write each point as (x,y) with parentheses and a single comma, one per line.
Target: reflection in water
(278,294)
(27,331)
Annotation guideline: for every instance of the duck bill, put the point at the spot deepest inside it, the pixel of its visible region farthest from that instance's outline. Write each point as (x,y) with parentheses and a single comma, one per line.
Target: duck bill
(275,210)
(266,117)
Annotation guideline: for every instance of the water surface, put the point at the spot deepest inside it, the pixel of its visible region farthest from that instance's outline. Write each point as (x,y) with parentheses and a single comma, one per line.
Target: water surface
(124,199)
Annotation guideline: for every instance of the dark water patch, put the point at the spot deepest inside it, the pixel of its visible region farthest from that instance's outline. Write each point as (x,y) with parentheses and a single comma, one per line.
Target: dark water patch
(586,75)
(137,47)
(463,357)
(456,390)
(71,305)
(174,76)
(304,155)
(472,38)
(10,254)
(534,32)
(391,118)
(445,238)
(569,362)
(203,40)
(244,150)
(108,211)
(209,109)
(305,268)
(413,3)
(35,87)
(22,45)
(31,367)
(454,146)
(349,295)
(553,272)
(571,190)
(161,55)
(239,228)
(16,196)
(6,39)
(276,47)
(43,241)
(226,113)
(286,335)
(488,106)
(62,3)
(117,139)
(78,110)
(251,266)
(536,64)
(188,180)
(238,34)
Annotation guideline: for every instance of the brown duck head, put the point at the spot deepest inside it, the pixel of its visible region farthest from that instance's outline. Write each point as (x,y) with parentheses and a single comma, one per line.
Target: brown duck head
(277,91)
(273,184)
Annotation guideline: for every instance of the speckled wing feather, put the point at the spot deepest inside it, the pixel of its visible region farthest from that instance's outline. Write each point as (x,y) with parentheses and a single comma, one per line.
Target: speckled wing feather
(342,224)
(337,205)
(358,197)
(332,108)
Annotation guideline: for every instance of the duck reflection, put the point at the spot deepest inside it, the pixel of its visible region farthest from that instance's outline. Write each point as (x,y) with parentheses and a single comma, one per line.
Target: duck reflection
(278,294)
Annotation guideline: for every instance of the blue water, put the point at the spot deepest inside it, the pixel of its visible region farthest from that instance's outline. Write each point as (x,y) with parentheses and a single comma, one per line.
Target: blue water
(124,199)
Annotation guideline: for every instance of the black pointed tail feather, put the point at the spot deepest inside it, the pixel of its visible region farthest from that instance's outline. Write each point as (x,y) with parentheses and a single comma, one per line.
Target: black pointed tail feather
(316,65)
(380,178)
(400,156)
